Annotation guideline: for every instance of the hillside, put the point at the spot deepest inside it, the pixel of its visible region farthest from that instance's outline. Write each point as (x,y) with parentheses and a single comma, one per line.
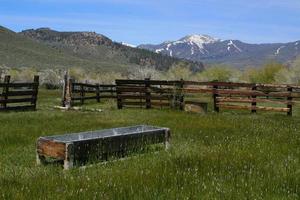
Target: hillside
(44,48)
(83,49)
(231,52)
(18,51)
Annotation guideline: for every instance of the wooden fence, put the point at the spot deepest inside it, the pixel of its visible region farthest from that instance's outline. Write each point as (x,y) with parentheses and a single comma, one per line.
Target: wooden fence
(226,95)
(173,94)
(246,96)
(80,92)
(18,96)
(149,93)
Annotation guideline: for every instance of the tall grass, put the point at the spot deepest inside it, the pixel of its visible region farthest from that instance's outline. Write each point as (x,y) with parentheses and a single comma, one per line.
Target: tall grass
(214,156)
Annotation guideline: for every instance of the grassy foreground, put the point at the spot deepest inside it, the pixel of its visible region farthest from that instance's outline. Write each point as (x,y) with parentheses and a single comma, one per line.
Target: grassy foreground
(215,156)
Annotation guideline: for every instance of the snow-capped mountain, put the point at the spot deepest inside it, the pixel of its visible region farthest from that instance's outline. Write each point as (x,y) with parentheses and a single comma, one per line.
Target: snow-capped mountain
(233,52)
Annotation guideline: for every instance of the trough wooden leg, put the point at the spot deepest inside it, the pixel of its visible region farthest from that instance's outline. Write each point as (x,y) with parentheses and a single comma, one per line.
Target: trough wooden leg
(167,139)
(40,160)
(69,156)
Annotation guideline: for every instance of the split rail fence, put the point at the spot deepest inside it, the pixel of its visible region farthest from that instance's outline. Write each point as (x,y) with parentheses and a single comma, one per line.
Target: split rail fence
(19,95)
(150,93)
(247,96)
(174,94)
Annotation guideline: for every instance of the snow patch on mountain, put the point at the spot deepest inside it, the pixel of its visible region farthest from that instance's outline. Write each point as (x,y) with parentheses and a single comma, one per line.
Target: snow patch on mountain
(159,50)
(278,50)
(231,44)
(168,47)
(198,40)
(129,45)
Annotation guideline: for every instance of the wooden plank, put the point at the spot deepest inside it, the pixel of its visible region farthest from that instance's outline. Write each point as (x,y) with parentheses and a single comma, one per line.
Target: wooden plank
(249,85)
(108,96)
(85,98)
(163,91)
(51,148)
(21,93)
(197,90)
(23,100)
(215,96)
(220,84)
(85,91)
(241,92)
(147,94)
(36,89)
(242,107)
(5,91)
(153,97)
(98,93)
(112,86)
(137,103)
(20,108)
(254,100)
(18,85)
(290,106)
(157,103)
(84,85)
(107,91)
(132,89)
(152,82)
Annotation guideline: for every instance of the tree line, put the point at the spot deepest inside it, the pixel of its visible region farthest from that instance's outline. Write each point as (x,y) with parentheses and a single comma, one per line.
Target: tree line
(270,72)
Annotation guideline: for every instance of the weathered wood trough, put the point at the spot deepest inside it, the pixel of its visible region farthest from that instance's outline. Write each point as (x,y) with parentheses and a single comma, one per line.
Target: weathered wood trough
(79,148)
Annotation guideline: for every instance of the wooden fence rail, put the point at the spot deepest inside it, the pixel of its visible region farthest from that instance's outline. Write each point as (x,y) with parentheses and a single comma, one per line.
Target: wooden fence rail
(228,95)
(18,96)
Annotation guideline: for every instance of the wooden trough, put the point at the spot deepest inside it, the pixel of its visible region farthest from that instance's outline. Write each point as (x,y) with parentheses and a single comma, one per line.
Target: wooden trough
(80,148)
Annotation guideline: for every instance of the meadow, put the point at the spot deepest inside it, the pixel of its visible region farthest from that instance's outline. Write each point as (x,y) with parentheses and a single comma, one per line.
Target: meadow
(227,155)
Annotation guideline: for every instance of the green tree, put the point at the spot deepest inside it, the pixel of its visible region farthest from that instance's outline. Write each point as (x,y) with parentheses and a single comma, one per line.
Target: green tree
(179,71)
(289,75)
(219,73)
(267,74)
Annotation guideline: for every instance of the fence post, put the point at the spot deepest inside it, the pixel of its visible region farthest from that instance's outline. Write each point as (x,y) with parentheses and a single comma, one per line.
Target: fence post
(119,99)
(81,94)
(98,92)
(5,91)
(35,89)
(147,93)
(181,97)
(290,99)
(253,104)
(64,93)
(215,96)
(69,91)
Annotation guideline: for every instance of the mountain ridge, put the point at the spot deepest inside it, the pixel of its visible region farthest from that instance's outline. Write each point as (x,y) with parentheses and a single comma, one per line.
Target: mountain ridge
(47,48)
(232,52)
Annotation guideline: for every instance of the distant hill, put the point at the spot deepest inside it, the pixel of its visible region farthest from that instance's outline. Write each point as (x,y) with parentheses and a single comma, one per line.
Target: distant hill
(45,48)
(231,52)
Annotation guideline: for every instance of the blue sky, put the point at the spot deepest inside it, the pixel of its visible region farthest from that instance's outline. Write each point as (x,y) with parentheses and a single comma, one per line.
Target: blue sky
(154,21)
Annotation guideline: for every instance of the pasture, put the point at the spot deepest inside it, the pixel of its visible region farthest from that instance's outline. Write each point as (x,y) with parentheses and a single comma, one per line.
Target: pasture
(226,155)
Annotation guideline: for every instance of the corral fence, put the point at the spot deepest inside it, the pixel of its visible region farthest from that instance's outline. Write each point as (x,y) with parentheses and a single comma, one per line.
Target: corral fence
(247,96)
(226,95)
(18,95)
(76,92)
(175,94)
(150,93)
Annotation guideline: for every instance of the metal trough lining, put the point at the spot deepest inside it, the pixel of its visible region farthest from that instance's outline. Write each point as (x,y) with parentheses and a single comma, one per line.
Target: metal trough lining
(83,136)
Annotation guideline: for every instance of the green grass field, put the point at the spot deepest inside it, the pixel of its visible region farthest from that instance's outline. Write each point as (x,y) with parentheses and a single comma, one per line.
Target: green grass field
(230,155)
